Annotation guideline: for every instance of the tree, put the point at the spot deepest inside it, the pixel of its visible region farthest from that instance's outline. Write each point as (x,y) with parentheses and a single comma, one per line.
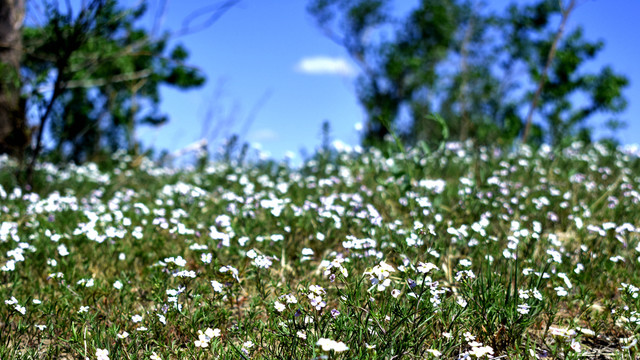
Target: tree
(468,93)
(107,74)
(480,70)
(554,63)
(87,77)
(398,67)
(13,129)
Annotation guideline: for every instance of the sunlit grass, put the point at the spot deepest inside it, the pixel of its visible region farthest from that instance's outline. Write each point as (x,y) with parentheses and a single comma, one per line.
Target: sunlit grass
(462,253)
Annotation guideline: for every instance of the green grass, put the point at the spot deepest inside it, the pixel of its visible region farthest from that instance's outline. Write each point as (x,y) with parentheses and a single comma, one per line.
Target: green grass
(462,252)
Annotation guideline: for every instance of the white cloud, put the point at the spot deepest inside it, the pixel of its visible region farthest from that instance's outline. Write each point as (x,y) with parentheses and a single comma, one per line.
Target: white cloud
(324,65)
(263,135)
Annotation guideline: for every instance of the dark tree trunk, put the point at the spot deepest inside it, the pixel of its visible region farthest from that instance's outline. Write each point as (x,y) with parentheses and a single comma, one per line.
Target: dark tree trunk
(13,128)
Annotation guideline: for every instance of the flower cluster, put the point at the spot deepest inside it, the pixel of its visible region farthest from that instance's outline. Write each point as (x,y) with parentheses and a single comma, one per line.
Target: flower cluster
(315,297)
(333,267)
(329,345)
(380,275)
(205,337)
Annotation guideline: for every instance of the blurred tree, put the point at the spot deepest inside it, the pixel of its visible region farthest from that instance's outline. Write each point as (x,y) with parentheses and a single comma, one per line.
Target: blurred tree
(398,64)
(469,94)
(566,96)
(481,71)
(13,130)
(97,76)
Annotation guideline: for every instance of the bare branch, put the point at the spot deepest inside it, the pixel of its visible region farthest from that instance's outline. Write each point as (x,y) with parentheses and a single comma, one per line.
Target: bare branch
(543,78)
(214,11)
(253,113)
(462,94)
(69,7)
(101,82)
(159,18)
(209,115)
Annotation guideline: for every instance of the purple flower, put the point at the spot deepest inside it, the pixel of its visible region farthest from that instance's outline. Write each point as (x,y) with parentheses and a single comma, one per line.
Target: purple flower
(412,283)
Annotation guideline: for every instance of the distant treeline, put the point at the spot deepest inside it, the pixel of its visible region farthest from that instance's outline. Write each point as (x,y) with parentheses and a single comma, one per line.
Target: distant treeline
(488,75)
(448,69)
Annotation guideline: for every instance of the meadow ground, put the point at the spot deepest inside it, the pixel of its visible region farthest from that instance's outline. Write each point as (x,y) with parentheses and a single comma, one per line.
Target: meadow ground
(459,254)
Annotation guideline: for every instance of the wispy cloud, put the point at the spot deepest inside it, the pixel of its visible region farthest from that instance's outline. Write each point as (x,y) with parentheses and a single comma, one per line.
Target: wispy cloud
(325,65)
(263,135)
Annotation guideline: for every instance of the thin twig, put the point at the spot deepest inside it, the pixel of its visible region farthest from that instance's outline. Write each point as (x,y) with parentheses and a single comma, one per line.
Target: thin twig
(72,84)
(215,11)
(552,53)
(462,94)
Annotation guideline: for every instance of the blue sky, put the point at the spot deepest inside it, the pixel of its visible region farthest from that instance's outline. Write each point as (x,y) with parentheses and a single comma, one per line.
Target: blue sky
(274,77)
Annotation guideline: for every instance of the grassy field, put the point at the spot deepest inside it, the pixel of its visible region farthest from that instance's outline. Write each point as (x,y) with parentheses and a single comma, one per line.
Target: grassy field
(457,254)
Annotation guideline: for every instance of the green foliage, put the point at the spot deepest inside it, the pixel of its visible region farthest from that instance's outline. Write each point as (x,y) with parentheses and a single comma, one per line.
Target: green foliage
(477,69)
(110,71)
(565,118)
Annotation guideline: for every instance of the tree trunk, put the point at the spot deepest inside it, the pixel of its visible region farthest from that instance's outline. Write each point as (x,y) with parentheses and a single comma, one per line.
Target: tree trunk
(543,77)
(13,128)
